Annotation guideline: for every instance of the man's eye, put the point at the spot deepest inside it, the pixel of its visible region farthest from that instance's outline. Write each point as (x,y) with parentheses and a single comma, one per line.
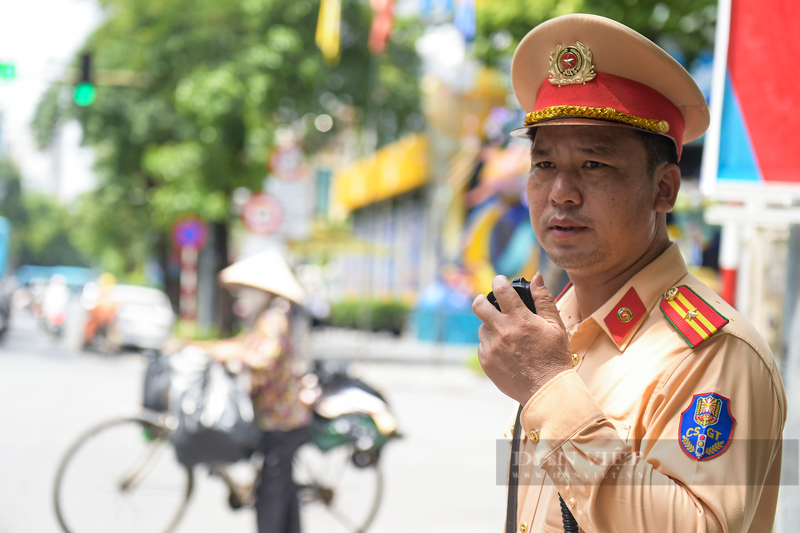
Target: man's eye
(544,164)
(593,164)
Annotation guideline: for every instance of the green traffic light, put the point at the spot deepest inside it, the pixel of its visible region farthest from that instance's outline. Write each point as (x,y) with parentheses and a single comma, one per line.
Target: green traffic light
(7,71)
(85,94)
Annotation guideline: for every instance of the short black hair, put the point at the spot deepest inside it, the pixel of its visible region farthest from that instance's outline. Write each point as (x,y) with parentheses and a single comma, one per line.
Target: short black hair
(659,148)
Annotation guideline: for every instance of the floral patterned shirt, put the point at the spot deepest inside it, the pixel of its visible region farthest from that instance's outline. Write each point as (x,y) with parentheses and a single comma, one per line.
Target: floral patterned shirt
(275,385)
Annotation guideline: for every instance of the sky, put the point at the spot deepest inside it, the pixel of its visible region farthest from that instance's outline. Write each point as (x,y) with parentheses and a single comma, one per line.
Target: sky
(41,37)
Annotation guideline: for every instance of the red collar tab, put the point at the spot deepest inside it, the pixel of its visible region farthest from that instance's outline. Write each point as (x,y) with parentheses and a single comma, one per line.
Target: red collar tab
(625,315)
(694,319)
(622,95)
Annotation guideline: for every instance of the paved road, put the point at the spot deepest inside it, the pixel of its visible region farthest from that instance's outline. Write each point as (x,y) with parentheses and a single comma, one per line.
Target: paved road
(440,477)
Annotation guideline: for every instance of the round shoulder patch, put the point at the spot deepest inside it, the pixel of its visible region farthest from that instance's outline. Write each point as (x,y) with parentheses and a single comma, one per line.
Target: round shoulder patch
(706,426)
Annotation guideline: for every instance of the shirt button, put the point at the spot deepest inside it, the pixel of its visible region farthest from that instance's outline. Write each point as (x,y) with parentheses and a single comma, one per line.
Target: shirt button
(575,359)
(534,435)
(523,527)
(571,502)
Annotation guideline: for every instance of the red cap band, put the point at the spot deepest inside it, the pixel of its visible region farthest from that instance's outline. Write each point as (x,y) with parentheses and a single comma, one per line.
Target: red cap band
(621,94)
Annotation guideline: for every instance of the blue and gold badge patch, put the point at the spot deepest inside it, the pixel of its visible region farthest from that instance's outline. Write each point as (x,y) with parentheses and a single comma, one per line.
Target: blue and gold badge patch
(706,426)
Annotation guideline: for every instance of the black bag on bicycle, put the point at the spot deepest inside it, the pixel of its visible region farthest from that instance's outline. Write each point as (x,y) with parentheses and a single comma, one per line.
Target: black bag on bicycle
(216,422)
(157,379)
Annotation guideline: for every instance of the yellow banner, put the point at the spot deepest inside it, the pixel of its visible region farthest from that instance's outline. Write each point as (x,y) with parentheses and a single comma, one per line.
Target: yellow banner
(394,169)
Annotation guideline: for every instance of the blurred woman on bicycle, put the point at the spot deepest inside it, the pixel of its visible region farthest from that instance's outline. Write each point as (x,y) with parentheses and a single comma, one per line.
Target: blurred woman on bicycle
(268,294)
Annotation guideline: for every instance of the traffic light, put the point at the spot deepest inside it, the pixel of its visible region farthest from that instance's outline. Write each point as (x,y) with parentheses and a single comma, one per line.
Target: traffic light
(85,91)
(7,71)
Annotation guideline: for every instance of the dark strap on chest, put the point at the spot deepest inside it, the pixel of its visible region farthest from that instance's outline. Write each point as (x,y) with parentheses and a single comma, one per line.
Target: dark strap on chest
(513,477)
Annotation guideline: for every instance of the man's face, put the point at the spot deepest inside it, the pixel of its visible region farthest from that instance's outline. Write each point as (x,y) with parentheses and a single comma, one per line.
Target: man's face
(591,197)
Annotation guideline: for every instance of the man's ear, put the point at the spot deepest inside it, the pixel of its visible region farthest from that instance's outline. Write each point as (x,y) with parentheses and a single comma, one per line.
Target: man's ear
(668,183)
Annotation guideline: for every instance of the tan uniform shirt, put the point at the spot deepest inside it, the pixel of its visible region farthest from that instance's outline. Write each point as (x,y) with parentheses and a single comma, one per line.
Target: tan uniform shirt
(607,435)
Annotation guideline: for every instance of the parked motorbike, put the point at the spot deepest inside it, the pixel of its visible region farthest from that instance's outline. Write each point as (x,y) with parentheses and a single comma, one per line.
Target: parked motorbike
(347,410)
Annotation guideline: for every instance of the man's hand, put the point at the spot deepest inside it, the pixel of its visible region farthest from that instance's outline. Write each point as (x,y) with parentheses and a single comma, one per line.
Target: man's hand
(520,351)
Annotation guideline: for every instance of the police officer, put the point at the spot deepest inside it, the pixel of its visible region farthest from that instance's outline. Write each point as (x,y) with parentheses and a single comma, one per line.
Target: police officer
(648,403)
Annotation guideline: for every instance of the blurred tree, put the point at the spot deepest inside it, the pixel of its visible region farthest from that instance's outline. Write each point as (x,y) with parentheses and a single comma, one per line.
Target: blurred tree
(679,25)
(212,83)
(40,225)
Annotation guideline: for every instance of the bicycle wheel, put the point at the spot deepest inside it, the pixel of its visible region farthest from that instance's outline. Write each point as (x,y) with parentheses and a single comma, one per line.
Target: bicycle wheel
(122,475)
(336,496)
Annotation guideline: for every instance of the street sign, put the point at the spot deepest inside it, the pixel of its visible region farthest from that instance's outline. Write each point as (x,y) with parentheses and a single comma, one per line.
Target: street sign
(262,214)
(286,162)
(297,200)
(190,232)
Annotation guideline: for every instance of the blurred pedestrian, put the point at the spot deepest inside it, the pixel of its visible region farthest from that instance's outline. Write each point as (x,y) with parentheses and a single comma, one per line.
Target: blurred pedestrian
(268,296)
(101,309)
(55,302)
(647,403)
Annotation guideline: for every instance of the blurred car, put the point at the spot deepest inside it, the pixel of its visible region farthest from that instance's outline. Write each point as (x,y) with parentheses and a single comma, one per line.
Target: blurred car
(144,317)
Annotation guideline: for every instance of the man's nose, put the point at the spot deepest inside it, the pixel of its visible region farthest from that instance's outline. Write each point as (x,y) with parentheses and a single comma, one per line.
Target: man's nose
(565,189)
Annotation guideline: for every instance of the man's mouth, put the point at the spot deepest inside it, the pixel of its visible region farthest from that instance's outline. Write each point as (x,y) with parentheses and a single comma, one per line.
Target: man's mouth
(564,229)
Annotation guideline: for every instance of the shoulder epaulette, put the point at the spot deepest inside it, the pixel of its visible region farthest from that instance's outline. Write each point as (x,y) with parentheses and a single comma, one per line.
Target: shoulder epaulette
(694,319)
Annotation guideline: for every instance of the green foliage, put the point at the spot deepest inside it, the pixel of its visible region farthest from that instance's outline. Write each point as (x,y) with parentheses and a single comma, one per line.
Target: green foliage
(40,226)
(375,316)
(688,24)
(212,81)
(47,116)
(112,226)
(11,193)
(46,236)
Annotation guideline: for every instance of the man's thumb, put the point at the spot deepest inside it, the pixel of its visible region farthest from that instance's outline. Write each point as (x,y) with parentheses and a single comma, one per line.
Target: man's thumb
(543,300)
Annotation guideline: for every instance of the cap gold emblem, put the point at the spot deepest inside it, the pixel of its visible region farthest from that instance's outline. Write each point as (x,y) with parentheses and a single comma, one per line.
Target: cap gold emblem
(571,65)
(625,314)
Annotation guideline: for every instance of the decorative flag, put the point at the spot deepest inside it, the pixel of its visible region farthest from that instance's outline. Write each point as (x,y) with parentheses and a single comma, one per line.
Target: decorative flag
(381,25)
(753,136)
(436,7)
(464,19)
(329,30)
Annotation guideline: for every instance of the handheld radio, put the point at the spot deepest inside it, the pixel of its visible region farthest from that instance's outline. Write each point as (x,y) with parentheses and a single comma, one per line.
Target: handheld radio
(523,288)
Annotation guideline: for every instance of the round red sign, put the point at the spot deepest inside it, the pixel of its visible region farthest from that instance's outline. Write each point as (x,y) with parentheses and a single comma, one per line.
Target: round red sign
(262,214)
(286,162)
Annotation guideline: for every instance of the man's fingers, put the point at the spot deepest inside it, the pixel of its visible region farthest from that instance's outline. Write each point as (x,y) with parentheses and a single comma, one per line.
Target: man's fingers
(545,305)
(507,297)
(484,310)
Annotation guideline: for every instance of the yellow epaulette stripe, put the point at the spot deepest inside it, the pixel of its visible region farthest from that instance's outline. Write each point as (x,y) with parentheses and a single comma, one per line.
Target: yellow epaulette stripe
(709,326)
(678,309)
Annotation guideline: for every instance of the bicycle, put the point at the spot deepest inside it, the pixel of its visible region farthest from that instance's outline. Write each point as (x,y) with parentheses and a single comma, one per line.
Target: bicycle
(122,474)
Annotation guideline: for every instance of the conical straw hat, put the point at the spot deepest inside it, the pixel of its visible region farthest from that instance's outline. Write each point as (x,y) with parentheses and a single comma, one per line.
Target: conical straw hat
(267,271)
